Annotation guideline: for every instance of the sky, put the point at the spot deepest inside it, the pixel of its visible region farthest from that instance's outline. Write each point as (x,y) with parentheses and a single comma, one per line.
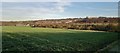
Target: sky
(59,0)
(17,11)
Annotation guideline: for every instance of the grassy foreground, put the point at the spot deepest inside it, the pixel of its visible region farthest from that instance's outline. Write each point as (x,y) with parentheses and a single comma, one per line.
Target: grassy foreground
(49,39)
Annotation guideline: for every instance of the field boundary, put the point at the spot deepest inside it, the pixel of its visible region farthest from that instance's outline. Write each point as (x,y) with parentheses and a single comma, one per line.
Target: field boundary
(108,46)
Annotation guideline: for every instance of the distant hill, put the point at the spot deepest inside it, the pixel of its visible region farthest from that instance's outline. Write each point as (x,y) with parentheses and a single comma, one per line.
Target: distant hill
(88,23)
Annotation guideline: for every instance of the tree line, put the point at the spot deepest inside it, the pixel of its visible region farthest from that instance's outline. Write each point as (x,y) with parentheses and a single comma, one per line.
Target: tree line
(100,24)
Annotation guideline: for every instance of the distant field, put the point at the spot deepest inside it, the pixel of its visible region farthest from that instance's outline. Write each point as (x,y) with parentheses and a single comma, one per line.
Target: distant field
(49,39)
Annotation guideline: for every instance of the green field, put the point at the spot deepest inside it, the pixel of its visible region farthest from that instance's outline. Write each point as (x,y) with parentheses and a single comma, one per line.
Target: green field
(49,39)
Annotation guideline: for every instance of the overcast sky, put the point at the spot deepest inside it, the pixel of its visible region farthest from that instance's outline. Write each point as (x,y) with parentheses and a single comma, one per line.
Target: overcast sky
(56,10)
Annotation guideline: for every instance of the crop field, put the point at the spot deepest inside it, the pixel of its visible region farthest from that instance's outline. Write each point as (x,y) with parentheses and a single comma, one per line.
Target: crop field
(20,38)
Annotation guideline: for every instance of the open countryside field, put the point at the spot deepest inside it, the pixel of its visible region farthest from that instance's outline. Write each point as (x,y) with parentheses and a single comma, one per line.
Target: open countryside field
(49,39)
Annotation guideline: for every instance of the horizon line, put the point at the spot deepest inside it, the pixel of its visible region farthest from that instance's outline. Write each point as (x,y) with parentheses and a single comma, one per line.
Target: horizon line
(63,18)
